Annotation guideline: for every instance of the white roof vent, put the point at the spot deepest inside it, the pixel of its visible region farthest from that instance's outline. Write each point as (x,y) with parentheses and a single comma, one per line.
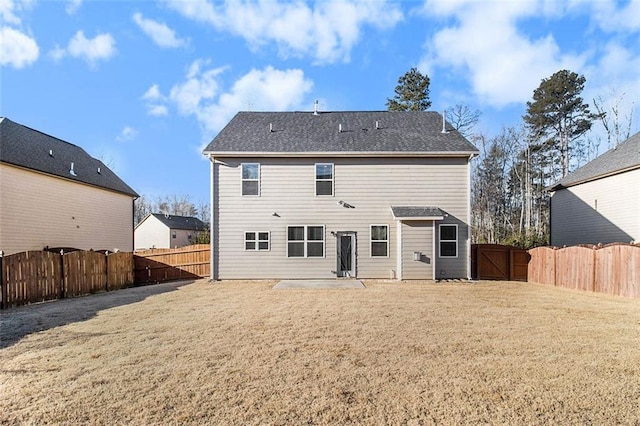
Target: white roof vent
(315,107)
(50,153)
(72,172)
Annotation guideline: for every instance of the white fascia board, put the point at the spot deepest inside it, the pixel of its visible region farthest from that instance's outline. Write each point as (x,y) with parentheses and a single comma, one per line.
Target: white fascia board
(467,154)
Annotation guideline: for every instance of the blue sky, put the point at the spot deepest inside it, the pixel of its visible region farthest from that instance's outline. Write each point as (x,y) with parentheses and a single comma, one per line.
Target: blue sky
(145,85)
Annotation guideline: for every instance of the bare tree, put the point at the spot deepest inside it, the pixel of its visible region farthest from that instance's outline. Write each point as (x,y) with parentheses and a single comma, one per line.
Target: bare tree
(617,128)
(463,119)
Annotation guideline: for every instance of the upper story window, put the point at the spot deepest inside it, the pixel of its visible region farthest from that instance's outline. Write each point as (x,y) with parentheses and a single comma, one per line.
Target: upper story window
(250,178)
(379,240)
(448,240)
(324,179)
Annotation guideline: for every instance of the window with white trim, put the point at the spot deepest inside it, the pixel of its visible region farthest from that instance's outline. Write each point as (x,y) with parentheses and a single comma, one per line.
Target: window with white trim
(250,178)
(448,240)
(379,240)
(305,241)
(256,240)
(324,179)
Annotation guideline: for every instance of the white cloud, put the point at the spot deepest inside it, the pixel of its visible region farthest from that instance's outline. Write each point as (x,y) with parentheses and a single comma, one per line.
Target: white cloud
(101,47)
(613,17)
(9,10)
(201,94)
(327,32)
(160,33)
(504,66)
(73,6)
(156,102)
(128,133)
(16,48)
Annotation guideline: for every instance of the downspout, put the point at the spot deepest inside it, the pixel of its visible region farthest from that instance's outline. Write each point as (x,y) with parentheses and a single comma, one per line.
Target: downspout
(468,257)
(212,230)
(399,264)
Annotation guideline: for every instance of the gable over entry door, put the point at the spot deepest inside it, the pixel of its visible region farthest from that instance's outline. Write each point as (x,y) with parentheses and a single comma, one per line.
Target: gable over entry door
(346,256)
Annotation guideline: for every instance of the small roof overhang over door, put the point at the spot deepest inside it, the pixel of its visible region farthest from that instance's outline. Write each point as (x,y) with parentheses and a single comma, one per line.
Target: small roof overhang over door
(404,213)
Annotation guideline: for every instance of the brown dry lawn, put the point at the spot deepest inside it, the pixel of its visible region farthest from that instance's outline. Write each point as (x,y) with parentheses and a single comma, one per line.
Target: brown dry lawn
(243,353)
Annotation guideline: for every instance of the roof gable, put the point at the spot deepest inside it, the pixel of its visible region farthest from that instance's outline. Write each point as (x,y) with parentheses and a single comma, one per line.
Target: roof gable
(25,147)
(625,156)
(346,133)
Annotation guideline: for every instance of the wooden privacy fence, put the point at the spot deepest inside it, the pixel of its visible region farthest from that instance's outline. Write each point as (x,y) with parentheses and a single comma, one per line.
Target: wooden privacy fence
(612,269)
(159,265)
(498,262)
(36,276)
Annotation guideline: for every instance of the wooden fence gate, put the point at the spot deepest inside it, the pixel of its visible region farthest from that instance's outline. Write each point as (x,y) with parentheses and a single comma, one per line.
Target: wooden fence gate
(498,262)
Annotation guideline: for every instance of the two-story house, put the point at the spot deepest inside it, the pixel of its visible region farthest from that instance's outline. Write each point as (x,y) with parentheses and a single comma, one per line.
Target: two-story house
(600,201)
(340,194)
(52,193)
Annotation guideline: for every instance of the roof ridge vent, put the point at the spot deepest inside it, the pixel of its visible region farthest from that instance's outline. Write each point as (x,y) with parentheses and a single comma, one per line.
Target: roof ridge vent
(72,172)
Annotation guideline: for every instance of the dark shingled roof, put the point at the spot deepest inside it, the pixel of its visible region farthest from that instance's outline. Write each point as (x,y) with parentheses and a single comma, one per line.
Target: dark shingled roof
(180,222)
(416,212)
(31,149)
(624,157)
(305,132)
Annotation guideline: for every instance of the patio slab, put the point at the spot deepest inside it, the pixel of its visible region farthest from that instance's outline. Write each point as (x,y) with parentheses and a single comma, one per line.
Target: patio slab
(319,284)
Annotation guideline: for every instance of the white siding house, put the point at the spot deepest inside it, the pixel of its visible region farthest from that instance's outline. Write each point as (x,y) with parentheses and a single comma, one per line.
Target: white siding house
(599,202)
(166,231)
(54,194)
(340,194)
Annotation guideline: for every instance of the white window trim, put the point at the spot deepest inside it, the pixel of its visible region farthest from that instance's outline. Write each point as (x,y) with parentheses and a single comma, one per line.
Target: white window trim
(305,241)
(242,180)
(257,240)
(440,241)
(316,180)
(371,240)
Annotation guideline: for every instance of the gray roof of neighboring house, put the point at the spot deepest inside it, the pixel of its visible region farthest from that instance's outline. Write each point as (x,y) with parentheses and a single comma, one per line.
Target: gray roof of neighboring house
(363,133)
(180,222)
(416,212)
(625,156)
(32,149)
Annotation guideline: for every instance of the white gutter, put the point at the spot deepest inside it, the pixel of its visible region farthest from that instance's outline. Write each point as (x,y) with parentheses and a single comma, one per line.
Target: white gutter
(429,154)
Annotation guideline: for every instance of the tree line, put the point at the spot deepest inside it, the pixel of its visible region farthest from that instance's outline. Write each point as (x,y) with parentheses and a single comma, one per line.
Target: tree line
(509,200)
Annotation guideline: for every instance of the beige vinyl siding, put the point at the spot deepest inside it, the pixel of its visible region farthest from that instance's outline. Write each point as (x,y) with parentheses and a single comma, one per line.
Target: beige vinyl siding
(602,211)
(417,236)
(38,210)
(152,233)
(287,190)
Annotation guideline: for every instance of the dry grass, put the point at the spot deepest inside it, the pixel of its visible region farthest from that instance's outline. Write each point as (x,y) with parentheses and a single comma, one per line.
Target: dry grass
(242,353)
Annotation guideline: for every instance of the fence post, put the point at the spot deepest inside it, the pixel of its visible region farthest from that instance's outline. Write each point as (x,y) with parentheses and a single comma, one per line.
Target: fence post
(62,275)
(106,270)
(2,283)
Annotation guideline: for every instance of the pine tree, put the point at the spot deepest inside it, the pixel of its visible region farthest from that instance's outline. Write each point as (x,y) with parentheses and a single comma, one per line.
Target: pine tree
(411,93)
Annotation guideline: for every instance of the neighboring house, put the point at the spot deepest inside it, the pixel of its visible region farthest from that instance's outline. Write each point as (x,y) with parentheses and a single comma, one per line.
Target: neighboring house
(340,194)
(600,201)
(164,231)
(52,193)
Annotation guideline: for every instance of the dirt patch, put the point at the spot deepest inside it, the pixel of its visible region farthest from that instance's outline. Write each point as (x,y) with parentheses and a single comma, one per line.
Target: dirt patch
(242,353)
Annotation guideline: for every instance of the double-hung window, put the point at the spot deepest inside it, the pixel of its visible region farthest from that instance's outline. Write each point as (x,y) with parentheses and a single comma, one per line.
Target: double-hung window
(250,178)
(448,240)
(256,240)
(379,240)
(305,241)
(324,179)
